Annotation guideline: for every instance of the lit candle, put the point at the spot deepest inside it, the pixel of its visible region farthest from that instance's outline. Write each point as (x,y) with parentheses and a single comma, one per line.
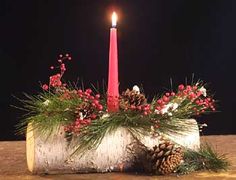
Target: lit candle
(113,84)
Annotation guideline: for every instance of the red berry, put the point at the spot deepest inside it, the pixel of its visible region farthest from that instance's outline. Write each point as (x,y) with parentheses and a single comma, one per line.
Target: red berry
(145,113)
(97,96)
(146,108)
(93,116)
(67,55)
(192,96)
(89,91)
(172,94)
(139,108)
(158,108)
(59,60)
(159,101)
(166,99)
(52,67)
(181,87)
(167,94)
(132,107)
(93,104)
(91,97)
(100,107)
(96,102)
(69,58)
(60,55)
(45,87)
(199,93)
(189,88)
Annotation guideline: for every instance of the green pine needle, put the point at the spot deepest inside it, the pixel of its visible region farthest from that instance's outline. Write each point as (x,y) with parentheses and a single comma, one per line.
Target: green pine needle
(205,159)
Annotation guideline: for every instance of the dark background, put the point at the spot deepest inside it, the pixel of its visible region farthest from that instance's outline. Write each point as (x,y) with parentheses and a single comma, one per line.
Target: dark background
(158,40)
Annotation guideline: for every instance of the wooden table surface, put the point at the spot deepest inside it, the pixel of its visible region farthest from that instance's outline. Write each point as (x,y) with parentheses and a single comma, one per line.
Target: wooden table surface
(13,164)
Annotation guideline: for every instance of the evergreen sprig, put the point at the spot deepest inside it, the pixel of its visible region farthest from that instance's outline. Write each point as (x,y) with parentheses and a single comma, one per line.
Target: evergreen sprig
(91,136)
(206,158)
(46,112)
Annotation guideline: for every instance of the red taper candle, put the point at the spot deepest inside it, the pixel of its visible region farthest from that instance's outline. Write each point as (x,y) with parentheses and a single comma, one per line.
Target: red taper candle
(113,84)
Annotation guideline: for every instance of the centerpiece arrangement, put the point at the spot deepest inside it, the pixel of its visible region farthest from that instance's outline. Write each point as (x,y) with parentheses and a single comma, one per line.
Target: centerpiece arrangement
(74,129)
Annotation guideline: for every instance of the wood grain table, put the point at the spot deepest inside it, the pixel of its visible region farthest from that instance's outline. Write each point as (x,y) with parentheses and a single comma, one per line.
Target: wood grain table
(13,164)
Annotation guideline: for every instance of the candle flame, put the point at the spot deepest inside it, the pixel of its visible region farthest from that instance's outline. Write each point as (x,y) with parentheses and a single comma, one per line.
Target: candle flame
(114,19)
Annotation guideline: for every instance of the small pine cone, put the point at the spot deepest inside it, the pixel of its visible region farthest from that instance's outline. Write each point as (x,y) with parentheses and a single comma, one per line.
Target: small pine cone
(132,98)
(170,162)
(164,158)
(86,109)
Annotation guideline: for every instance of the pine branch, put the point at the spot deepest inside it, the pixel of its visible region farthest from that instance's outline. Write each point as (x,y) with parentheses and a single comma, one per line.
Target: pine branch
(204,159)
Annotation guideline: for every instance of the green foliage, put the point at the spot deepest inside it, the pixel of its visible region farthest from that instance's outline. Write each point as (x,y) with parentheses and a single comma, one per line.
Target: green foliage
(47,112)
(204,159)
(91,136)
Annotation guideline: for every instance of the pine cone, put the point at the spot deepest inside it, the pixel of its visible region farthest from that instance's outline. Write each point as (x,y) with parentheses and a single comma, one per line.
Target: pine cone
(86,109)
(132,98)
(164,158)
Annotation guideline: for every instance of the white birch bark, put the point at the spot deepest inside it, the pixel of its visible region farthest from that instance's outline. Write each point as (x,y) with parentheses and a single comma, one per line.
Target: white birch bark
(52,156)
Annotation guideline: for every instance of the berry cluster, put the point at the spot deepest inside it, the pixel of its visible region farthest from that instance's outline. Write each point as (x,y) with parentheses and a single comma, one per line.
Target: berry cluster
(144,109)
(86,111)
(189,99)
(55,80)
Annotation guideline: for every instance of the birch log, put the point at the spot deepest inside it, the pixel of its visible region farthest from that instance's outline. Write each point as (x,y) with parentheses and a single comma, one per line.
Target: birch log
(52,156)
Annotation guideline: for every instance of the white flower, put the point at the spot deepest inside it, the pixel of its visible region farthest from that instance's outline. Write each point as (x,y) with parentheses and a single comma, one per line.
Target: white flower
(174,106)
(81,115)
(105,115)
(136,89)
(203,91)
(46,103)
(167,108)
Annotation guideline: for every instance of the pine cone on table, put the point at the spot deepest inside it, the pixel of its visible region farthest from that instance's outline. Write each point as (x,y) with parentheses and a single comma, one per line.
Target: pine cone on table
(164,158)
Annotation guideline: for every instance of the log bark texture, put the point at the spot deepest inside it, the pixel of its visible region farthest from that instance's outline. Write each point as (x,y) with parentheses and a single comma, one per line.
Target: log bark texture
(52,156)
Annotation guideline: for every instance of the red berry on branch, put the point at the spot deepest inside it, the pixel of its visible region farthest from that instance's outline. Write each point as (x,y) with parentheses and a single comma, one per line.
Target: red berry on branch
(192,96)
(139,108)
(145,113)
(89,91)
(91,97)
(93,116)
(194,87)
(181,87)
(45,87)
(96,102)
(185,92)
(52,67)
(172,94)
(59,60)
(93,104)
(100,107)
(69,58)
(67,55)
(60,55)
(97,96)
(189,88)
(132,107)
(165,99)
(159,101)
(167,94)
(158,108)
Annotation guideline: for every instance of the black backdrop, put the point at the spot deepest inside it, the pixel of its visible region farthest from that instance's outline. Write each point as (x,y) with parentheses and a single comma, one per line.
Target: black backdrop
(157,40)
